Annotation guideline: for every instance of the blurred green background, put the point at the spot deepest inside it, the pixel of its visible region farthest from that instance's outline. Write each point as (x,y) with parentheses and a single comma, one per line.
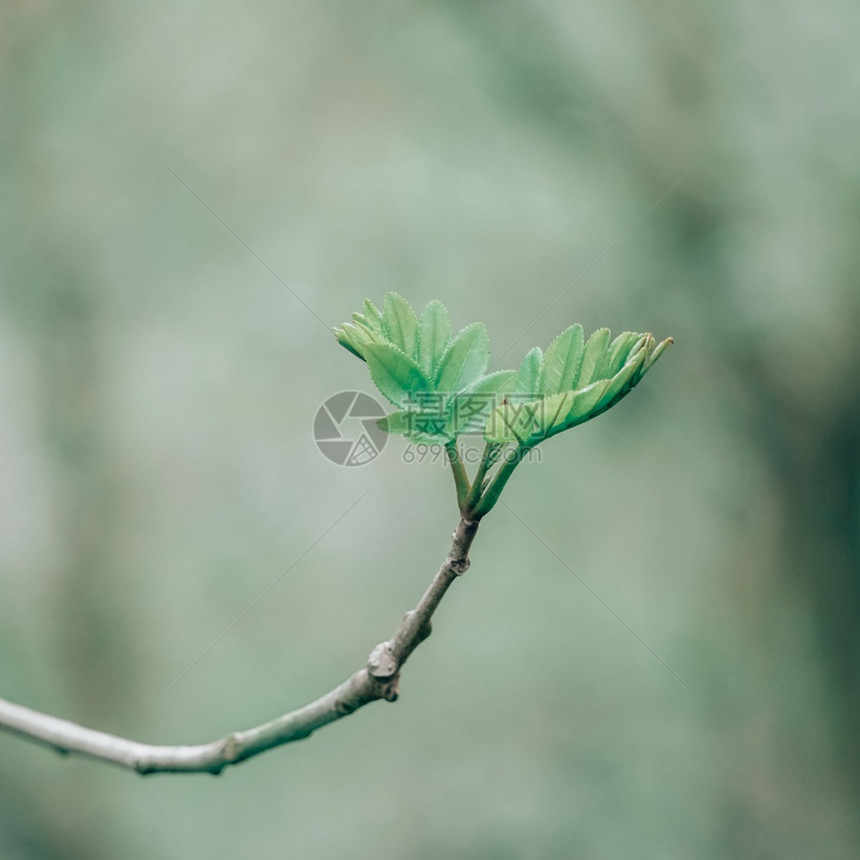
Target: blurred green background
(158,385)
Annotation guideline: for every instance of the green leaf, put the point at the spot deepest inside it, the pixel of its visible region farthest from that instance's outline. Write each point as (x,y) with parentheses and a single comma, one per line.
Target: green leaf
(373,316)
(562,361)
(630,356)
(400,323)
(396,375)
(434,334)
(594,350)
(622,381)
(556,408)
(658,351)
(512,422)
(355,336)
(621,350)
(529,376)
(428,428)
(467,411)
(532,422)
(346,340)
(465,360)
(584,401)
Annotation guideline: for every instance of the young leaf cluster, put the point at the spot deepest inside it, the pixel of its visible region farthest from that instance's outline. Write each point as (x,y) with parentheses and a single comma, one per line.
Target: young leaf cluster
(431,377)
(574,381)
(420,368)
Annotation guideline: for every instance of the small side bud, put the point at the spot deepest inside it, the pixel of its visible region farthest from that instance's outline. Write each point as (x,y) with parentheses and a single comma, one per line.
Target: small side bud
(232,748)
(458,566)
(392,690)
(381,663)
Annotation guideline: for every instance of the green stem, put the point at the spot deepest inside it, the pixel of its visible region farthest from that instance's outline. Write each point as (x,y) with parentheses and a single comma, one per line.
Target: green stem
(461,479)
(488,460)
(491,496)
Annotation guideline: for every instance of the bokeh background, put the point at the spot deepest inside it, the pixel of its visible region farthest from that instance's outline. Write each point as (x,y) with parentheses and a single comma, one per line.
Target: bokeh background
(191,192)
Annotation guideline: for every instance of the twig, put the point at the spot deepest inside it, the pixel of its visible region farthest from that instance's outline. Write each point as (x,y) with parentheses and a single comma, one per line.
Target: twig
(379,679)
